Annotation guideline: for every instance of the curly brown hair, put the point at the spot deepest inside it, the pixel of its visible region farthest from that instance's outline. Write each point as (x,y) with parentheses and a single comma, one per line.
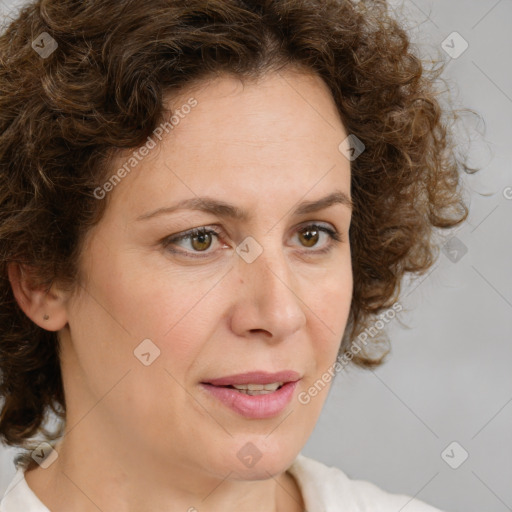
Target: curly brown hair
(63,116)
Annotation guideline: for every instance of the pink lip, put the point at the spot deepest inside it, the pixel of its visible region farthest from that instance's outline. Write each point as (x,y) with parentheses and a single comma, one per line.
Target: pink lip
(254,407)
(255,378)
(257,406)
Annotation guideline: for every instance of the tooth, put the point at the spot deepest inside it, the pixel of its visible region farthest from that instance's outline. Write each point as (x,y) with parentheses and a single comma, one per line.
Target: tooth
(258,387)
(272,386)
(255,392)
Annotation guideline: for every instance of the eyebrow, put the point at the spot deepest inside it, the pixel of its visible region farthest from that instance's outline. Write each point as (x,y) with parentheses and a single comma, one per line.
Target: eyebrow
(223,209)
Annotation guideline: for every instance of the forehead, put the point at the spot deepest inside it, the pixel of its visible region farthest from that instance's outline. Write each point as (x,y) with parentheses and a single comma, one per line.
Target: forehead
(259,139)
(289,104)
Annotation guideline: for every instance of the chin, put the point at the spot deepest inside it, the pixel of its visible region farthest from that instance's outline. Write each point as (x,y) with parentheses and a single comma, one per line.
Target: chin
(261,457)
(251,455)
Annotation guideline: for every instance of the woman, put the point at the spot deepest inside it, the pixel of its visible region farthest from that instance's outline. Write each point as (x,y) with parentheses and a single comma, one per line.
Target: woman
(202,206)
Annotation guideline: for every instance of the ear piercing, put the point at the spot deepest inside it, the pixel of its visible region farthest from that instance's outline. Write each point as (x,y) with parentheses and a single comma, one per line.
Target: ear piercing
(45,317)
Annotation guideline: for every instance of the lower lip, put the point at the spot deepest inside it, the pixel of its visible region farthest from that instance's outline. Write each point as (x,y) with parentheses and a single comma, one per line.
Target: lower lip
(257,406)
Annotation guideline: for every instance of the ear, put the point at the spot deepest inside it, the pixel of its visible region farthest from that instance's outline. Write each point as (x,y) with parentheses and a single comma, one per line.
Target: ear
(45,308)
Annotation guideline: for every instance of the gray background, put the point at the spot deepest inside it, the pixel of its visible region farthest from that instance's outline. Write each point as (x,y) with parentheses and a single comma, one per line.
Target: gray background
(448,376)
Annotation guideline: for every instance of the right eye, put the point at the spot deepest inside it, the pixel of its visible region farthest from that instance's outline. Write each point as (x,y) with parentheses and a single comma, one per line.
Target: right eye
(200,240)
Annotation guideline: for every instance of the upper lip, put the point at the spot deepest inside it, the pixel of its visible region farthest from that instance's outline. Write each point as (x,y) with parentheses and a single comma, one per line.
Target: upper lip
(256,377)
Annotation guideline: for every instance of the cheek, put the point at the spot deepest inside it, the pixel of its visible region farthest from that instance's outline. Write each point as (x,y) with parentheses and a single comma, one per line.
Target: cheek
(179,315)
(147,301)
(122,305)
(330,304)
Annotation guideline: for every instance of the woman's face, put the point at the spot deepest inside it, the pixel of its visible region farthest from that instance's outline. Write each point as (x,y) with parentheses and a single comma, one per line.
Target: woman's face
(156,321)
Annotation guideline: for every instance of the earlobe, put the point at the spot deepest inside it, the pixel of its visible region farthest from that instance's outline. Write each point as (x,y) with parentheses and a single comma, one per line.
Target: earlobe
(46,308)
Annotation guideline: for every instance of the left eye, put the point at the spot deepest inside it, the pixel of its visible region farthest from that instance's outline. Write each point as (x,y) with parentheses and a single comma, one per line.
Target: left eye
(201,239)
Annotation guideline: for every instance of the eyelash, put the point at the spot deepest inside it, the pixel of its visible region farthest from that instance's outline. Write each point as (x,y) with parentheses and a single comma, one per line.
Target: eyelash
(335,238)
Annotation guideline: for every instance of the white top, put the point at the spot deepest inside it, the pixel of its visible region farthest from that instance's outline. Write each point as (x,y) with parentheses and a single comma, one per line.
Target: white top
(323,488)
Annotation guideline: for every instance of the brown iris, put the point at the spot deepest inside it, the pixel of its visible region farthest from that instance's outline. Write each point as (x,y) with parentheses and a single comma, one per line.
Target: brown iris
(311,240)
(204,241)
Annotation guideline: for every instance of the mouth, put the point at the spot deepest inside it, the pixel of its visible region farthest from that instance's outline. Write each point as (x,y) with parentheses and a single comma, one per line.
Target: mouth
(256,378)
(255,395)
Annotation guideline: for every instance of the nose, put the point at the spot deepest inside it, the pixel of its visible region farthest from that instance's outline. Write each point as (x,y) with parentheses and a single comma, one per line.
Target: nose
(267,298)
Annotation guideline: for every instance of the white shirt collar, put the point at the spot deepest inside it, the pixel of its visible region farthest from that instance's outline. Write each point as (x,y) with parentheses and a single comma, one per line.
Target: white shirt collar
(19,496)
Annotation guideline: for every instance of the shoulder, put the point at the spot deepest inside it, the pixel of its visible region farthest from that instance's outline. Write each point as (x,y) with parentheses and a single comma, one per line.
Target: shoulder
(329,489)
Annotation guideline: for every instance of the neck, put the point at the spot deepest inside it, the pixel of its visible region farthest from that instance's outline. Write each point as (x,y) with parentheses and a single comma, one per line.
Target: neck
(92,477)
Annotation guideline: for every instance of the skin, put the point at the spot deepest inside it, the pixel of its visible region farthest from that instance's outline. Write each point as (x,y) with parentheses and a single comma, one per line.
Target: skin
(148,438)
